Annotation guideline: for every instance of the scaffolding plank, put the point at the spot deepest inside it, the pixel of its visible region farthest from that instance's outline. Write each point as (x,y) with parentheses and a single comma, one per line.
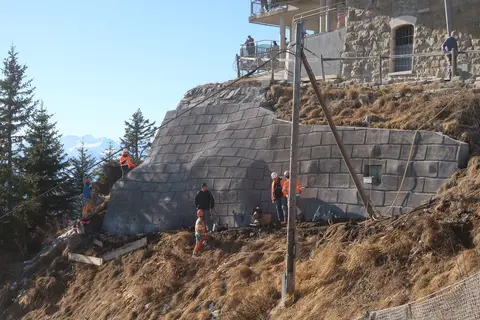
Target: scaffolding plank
(85,259)
(125,249)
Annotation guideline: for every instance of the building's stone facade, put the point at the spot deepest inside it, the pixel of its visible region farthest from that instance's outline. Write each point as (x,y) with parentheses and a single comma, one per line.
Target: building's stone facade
(370,32)
(233,144)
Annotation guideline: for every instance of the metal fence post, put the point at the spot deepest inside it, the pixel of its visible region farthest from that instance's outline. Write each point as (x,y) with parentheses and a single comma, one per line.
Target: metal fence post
(237,57)
(454,62)
(323,69)
(380,69)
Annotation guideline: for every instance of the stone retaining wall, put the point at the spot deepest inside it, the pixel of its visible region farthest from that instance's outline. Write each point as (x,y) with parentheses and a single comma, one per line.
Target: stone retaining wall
(234,146)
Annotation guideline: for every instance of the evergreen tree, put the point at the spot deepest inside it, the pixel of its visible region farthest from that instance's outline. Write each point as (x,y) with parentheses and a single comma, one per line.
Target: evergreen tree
(82,167)
(45,167)
(16,106)
(109,160)
(138,134)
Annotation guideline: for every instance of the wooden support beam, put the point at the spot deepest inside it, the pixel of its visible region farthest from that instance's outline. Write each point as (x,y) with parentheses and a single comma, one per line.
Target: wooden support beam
(368,205)
(125,249)
(85,259)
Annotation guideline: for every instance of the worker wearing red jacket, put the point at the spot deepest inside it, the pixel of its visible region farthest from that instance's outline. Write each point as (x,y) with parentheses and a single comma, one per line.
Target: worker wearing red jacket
(286,191)
(126,163)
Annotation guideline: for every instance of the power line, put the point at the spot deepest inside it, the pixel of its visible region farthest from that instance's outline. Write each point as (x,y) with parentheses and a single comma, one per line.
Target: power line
(148,133)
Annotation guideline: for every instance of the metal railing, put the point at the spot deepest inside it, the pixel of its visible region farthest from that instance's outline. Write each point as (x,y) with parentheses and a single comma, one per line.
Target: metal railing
(392,58)
(335,12)
(258,7)
(252,56)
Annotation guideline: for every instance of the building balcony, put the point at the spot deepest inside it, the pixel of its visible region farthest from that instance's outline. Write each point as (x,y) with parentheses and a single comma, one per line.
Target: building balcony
(270,12)
(254,56)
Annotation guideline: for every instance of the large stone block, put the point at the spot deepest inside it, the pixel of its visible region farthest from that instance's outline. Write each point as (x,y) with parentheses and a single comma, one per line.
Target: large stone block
(329,165)
(238,173)
(240,134)
(281,155)
(432,185)
(328,195)
(221,184)
(216,172)
(401,137)
(229,152)
(441,153)
(347,196)
(425,169)
(339,180)
(230,162)
(309,166)
(355,137)
(418,152)
(243,143)
(321,152)
(377,136)
(311,140)
(338,155)
(246,153)
(446,169)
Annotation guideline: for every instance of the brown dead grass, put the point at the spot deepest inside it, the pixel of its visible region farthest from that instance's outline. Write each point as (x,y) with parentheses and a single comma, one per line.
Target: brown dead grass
(342,272)
(397,107)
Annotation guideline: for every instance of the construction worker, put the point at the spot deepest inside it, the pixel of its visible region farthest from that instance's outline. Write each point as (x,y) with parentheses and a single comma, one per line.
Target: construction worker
(277,196)
(126,163)
(286,191)
(86,197)
(200,233)
(205,202)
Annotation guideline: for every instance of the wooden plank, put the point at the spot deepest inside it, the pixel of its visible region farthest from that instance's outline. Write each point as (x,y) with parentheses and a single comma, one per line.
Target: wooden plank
(98,242)
(125,249)
(85,259)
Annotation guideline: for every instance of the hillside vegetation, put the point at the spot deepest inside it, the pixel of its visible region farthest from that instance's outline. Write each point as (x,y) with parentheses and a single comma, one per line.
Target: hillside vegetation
(343,270)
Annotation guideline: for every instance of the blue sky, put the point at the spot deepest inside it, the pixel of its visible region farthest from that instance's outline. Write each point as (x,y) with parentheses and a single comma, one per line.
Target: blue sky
(95,62)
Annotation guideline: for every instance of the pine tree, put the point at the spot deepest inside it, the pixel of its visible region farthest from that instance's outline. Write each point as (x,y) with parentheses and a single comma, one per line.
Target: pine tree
(82,167)
(109,160)
(138,134)
(45,167)
(16,106)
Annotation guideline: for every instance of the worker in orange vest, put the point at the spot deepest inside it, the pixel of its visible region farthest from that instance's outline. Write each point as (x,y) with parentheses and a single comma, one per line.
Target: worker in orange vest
(286,191)
(126,163)
(200,233)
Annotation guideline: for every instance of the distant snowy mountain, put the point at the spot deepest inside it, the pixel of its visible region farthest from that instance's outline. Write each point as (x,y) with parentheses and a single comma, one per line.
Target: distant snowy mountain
(95,146)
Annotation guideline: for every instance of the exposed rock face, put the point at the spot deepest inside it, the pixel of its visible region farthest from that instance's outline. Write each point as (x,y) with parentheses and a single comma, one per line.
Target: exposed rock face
(233,143)
(371,32)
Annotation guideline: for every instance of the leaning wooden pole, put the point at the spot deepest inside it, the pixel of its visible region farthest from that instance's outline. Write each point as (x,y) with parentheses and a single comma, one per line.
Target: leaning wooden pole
(368,205)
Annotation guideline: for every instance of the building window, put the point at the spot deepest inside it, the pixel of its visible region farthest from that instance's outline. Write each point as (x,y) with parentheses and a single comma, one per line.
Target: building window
(403,44)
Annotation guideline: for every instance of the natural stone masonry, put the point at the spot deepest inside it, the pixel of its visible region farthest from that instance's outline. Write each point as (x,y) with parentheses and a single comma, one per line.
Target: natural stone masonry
(370,32)
(234,145)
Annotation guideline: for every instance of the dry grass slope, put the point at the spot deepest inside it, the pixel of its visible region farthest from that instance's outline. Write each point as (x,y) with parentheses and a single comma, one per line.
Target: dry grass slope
(342,271)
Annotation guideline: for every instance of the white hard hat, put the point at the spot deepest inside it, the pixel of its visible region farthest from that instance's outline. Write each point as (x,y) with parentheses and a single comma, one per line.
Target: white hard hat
(125,150)
(286,173)
(274,175)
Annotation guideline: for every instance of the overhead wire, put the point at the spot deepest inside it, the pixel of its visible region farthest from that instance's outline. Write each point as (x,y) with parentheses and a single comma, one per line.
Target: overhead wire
(217,92)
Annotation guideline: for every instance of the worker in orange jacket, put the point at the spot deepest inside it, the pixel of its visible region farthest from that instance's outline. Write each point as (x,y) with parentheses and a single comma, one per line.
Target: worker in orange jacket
(200,233)
(126,163)
(286,191)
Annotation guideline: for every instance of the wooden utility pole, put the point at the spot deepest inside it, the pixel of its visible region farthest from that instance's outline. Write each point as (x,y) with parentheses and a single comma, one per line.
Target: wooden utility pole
(448,16)
(289,293)
(371,212)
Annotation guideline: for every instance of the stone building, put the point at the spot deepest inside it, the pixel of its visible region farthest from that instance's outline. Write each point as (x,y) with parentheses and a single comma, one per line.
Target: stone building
(234,142)
(373,28)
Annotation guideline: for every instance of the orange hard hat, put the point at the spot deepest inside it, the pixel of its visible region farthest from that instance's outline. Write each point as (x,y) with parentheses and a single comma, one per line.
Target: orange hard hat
(200,213)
